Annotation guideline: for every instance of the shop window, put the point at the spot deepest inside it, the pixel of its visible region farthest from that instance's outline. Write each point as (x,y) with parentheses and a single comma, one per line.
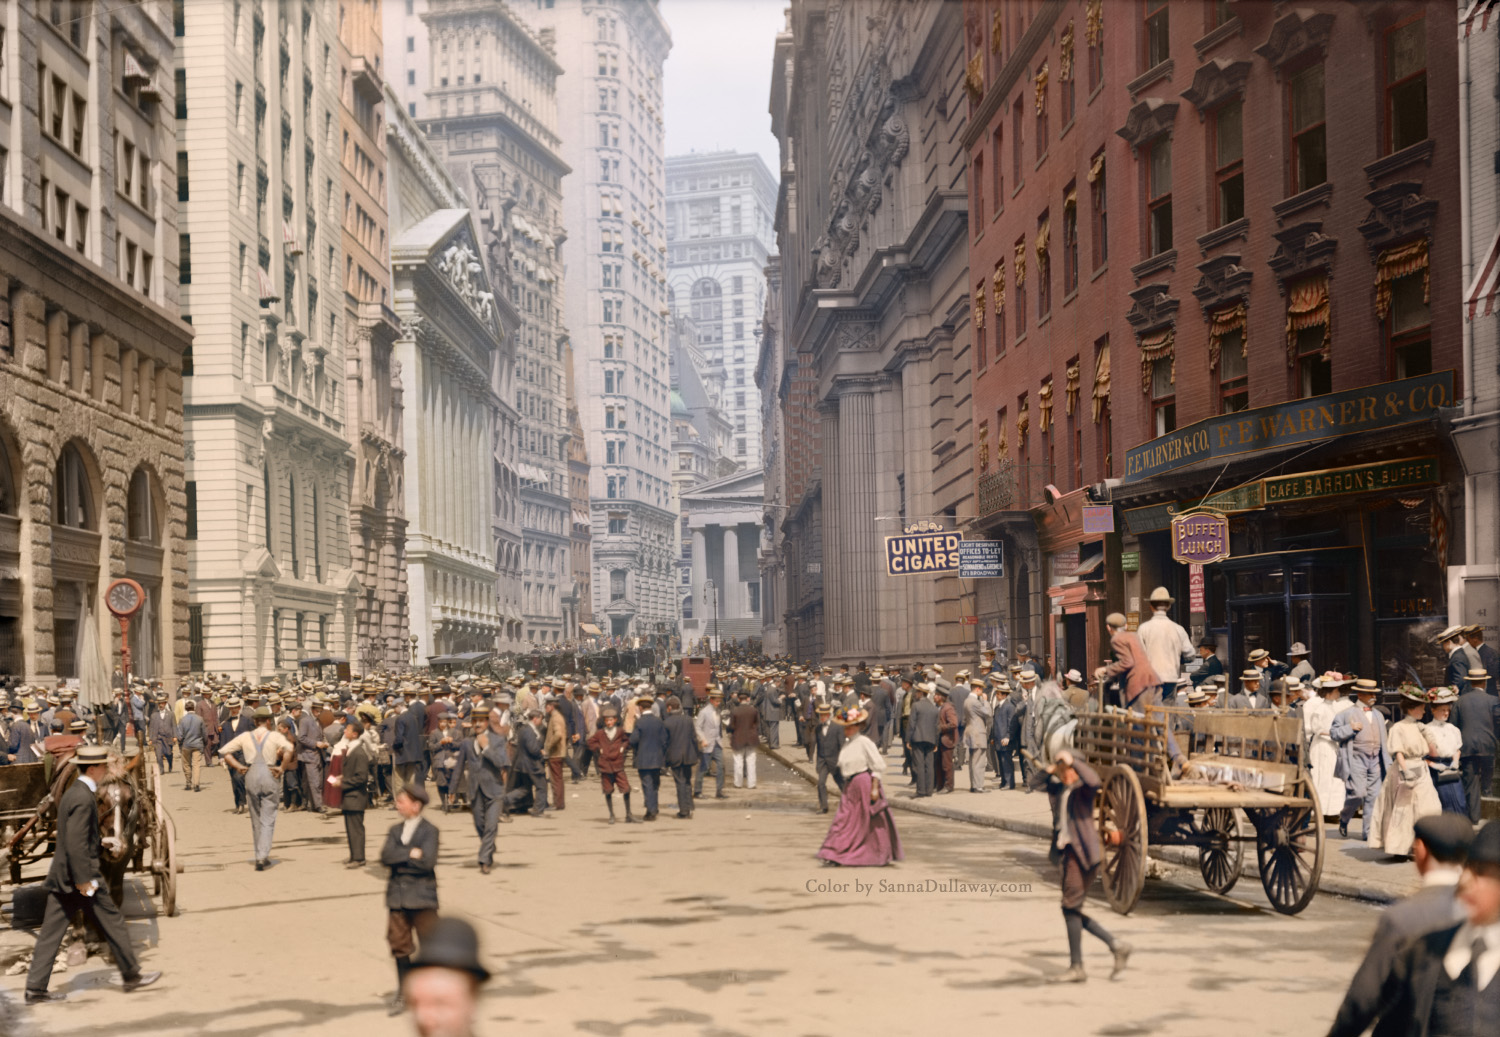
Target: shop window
(1229,162)
(1163,397)
(1409,327)
(1406,84)
(1234,380)
(1159,196)
(1314,370)
(1157,35)
(1309,166)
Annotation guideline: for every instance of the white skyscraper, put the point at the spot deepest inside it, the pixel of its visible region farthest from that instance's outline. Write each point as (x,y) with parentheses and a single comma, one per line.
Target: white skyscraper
(720,209)
(610,113)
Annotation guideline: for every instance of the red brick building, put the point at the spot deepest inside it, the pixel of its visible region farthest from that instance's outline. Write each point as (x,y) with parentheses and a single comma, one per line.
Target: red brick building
(1184,216)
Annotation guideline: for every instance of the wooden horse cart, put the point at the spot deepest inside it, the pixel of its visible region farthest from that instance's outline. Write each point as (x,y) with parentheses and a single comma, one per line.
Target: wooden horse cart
(138,833)
(1239,765)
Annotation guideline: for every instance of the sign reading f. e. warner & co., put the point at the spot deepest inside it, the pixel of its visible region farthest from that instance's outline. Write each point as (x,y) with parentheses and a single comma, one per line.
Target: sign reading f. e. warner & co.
(1296,421)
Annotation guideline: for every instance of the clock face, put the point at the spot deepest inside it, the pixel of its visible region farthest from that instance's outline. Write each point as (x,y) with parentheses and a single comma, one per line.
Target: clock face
(123,597)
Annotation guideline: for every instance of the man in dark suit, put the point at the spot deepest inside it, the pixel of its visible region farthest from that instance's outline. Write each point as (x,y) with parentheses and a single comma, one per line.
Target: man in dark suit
(1211,665)
(356,786)
(409,749)
(947,739)
(27,736)
(411,854)
(483,760)
(768,699)
(1439,850)
(529,772)
(1451,641)
(829,739)
(744,737)
(862,680)
(648,739)
(74,883)
(1476,714)
(1489,659)
(921,738)
(1442,982)
(682,753)
(233,722)
(1075,783)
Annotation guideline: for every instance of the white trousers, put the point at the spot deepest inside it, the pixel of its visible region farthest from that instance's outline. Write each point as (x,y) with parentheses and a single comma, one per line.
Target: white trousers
(744,767)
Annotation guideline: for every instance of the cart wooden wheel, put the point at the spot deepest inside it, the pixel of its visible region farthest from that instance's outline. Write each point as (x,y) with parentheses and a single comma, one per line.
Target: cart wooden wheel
(1289,847)
(1122,830)
(1220,860)
(169,871)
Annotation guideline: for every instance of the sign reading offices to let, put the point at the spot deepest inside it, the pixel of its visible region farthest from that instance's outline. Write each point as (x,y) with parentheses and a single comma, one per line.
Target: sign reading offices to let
(1200,538)
(1298,421)
(924,547)
(980,559)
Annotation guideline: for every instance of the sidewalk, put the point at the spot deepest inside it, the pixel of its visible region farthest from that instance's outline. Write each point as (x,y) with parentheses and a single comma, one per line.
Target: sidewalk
(1350,869)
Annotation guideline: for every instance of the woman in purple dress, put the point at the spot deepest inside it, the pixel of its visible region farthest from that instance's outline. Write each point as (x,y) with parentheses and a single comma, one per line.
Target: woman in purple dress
(863,833)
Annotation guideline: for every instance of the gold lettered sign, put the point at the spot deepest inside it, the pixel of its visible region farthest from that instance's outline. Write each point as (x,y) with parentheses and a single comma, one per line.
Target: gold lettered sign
(1200,538)
(1364,478)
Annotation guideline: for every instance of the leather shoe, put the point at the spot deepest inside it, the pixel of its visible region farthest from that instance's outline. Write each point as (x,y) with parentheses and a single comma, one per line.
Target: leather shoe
(397,1005)
(484,869)
(354,865)
(145,979)
(1343,828)
(42,997)
(1073,975)
(260,865)
(720,795)
(1122,955)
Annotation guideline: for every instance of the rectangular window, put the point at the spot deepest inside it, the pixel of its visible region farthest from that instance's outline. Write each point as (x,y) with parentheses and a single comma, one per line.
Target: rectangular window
(1309,131)
(1043,266)
(1043,132)
(1019,305)
(997,163)
(1163,396)
(1409,327)
(1159,195)
(1158,42)
(1229,161)
(184,259)
(181,92)
(981,339)
(191,489)
(1070,239)
(1096,57)
(1234,380)
(1099,198)
(195,638)
(1314,371)
(1017,110)
(182,176)
(1406,84)
(978,207)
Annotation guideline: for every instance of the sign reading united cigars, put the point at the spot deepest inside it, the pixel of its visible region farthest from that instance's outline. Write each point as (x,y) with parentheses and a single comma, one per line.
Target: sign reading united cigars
(1200,538)
(1297,421)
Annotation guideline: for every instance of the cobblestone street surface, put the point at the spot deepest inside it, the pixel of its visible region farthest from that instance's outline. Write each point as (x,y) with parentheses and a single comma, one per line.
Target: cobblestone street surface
(725,924)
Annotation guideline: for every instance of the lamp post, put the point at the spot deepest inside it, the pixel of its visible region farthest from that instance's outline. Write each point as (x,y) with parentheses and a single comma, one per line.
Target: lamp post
(413,650)
(711,591)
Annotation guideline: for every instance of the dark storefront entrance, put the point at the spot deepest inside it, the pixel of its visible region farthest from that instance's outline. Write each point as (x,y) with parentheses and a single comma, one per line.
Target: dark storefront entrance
(1273,600)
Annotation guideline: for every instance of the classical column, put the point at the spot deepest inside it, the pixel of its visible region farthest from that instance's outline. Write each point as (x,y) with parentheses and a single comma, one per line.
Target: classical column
(833,559)
(856,482)
(729,597)
(700,573)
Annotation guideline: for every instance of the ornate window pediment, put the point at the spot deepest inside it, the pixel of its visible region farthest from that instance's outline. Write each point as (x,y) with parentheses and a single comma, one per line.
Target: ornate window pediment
(1298,32)
(1149,118)
(1302,249)
(1224,280)
(1153,308)
(1397,212)
(1217,81)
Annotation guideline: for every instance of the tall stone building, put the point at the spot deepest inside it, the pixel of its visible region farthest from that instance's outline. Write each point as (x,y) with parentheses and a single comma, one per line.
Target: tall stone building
(377,523)
(580,610)
(407,55)
(720,210)
(262,211)
(770,368)
(457,357)
(492,103)
(616,308)
(92,353)
(866,101)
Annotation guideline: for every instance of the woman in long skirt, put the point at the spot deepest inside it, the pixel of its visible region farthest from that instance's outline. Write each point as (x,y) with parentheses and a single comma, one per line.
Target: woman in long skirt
(1408,792)
(1444,745)
(1322,754)
(863,833)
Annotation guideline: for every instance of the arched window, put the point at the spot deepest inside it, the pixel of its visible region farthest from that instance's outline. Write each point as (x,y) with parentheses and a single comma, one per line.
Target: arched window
(707,309)
(8,499)
(265,472)
(616,584)
(140,508)
(72,503)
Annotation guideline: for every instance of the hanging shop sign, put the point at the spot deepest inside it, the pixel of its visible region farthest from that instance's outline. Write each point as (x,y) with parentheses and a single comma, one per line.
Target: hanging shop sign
(981,559)
(1196,597)
(1365,478)
(1201,538)
(1130,561)
(1382,406)
(1247,497)
(1098,518)
(924,547)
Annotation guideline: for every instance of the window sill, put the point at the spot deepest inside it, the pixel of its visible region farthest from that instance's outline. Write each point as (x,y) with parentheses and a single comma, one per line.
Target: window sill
(1043,319)
(1150,77)
(1100,272)
(1161,261)
(1095,92)
(1070,296)
(1233,27)
(1320,195)
(1039,160)
(1020,340)
(1017,189)
(1066,127)
(1399,160)
(998,213)
(1240,228)
(977,238)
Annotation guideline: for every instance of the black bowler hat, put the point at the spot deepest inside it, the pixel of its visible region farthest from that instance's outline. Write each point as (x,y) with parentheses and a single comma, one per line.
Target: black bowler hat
(416,792)
(452,943)
(1446,835)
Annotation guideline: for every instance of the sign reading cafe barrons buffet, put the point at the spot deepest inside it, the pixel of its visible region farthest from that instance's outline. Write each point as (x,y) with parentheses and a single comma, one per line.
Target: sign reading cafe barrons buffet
(1296,421)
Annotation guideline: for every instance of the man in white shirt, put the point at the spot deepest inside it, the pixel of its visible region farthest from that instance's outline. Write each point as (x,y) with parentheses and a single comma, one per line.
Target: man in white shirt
(267,754)
(710,750)
(1167,644)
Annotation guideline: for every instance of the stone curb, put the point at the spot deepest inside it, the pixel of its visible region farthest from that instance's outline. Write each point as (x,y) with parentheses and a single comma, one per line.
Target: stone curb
(1335,885)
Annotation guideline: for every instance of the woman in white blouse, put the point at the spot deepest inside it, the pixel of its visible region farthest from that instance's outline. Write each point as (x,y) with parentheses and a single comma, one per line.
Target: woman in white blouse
(862,833)
(1444,746)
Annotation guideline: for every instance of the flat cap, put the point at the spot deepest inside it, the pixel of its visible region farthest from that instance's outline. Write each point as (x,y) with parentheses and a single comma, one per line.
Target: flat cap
(1447,835)
(1485,849)
(416,792)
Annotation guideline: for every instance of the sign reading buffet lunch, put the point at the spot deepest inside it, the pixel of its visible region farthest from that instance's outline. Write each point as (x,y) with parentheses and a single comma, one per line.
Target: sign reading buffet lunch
(1200,538)
(1297,421)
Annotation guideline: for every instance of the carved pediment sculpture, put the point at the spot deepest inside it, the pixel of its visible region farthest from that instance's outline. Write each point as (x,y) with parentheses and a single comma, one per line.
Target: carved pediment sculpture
(1298,32)
(1397,211)
(1302,249)
(1224,280)
(1215,82)
(1152,308)
(1149,118)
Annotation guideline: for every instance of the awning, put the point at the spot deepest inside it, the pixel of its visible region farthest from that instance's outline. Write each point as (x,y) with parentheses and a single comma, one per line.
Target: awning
(589,628)
(268,292)
(1090,557)
(133,69)
(1486,280)
(322,660)
(1481,10)
(459,659)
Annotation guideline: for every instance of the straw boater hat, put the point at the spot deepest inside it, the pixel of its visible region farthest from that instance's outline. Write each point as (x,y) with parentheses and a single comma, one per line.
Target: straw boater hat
(1161,596)
(1198,696)
(852,717)
(1251,674)
(1366,686)
(1477,676)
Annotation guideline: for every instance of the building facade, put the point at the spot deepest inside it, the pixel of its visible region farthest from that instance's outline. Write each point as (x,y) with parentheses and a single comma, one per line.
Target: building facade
(770,368)
(377,516)
(580,609)
(616,308)
(723,522)
(266,415)
(407,54)
(1275,270)
(720,211)
(866,98)
(92,353)
(457,357)
(493,122)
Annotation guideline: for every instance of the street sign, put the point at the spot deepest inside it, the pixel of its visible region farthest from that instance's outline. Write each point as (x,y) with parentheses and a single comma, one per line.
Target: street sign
(968,621)
(1335,482)
(1195,589)
(923,548)
(1130,561)
(980,559)
(1201,537)
(1098,518)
